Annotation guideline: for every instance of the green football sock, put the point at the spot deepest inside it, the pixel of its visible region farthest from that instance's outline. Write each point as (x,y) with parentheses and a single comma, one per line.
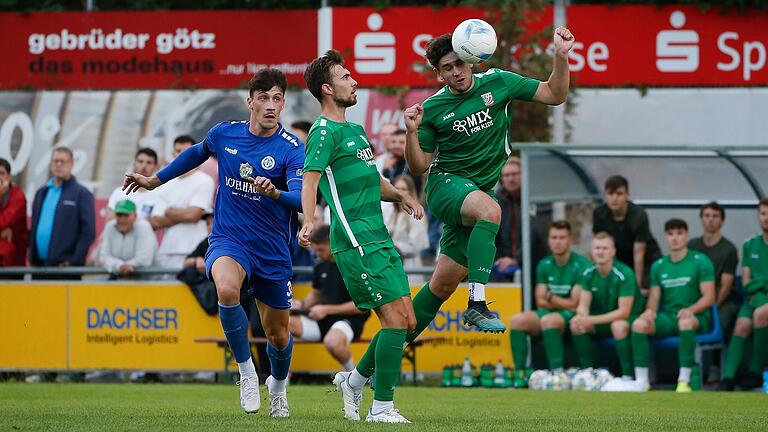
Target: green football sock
(518,340)
(624,351)
(367,363)
(687,348)
(389,358)
(759,345)
(640,349)
(553,345)
(425,307)
(482,251)
(733,357)
(583,345)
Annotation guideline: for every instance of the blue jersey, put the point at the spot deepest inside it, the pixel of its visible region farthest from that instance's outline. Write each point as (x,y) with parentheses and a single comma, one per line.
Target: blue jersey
(264,227)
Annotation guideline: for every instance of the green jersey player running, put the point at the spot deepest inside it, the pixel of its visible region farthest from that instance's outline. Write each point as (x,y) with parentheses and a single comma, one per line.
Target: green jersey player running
(461,134)
(340,160)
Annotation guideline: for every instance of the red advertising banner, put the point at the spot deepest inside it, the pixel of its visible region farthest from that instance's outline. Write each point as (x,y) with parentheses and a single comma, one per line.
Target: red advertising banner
(151,50)
(626,45)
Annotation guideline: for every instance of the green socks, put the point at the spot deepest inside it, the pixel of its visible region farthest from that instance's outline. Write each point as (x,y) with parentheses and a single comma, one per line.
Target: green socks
(481,251)
(687,348)
(425,307)
(389,358)
(367,362)
(733,357)
(553,345)
(583,345)
(640,349)
(624,351)
(518,340)
(759,341)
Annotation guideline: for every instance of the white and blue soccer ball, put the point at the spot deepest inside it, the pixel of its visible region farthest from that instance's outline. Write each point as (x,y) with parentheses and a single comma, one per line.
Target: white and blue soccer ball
(602,377)
(538,379)
(583,380)
(474,41)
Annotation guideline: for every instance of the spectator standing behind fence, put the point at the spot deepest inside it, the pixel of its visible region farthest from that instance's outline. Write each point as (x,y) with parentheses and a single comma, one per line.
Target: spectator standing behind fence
(127,242)
(628,224)
(13,220)
(408,234)
(724,257)
(331,316)
(144,163)
(63,217)
(179,210)
(753,314)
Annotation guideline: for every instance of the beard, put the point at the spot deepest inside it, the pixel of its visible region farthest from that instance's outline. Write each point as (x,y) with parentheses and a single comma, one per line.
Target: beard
(345,102)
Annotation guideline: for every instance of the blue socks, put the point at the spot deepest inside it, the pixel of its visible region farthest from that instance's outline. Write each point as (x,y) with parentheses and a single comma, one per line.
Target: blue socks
(235,325)
(280,359)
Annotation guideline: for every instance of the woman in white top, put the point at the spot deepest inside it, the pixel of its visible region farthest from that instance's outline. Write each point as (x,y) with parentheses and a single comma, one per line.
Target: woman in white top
(408,234)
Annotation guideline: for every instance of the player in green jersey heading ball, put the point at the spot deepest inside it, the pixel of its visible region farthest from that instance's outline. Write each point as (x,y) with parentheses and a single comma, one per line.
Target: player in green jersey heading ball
(461,134)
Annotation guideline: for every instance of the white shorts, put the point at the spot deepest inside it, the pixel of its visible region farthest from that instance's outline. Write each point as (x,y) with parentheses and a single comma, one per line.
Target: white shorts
(311,330)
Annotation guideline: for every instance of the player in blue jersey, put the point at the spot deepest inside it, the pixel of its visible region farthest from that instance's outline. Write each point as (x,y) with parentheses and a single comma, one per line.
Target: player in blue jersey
(260,174)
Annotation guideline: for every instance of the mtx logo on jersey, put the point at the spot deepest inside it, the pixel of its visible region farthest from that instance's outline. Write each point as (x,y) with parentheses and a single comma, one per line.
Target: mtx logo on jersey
(474,122)
(366,155)
(268,163)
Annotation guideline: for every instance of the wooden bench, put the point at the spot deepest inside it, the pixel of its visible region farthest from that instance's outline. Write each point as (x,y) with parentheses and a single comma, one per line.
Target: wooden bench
(409,353)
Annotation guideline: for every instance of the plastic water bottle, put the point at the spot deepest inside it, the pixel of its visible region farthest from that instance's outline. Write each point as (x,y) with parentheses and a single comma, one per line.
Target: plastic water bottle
(447,373)
(498,375)
(765,382)
(466,373)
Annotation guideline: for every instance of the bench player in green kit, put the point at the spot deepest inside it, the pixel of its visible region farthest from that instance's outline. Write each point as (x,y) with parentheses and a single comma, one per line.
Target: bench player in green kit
(682,293)
(461,134)
(609,301)
(340,161)
(753,314)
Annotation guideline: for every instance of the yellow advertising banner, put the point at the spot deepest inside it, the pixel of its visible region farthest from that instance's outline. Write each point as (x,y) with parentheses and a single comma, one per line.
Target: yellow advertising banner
(33,325)
(153,326)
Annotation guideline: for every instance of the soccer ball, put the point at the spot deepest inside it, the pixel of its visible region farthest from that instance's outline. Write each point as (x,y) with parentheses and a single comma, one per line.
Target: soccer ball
(474,41)
(602,377)
(583,380)
(538,379)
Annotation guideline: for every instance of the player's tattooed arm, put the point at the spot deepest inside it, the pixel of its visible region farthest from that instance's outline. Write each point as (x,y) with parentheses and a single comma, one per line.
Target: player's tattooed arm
(411,205)
(308,205)
(554,91)
(418,160)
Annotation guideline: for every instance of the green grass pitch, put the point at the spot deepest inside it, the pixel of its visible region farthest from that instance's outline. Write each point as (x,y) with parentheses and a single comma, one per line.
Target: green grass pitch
(186,407)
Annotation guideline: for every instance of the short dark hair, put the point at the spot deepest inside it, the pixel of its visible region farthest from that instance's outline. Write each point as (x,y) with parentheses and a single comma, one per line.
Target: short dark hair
(181,139)
(319,72)
(439,47)
(265,79)
(674,224)
(399,132)
(763,202)
(147,151)
(714,206)
(614,182)
(320,234)
(560,224)
(302,125)
(62,149)
(5,164)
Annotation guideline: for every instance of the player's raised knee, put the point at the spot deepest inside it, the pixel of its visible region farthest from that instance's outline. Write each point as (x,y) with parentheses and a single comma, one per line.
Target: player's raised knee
(552,321)
(620,329)
(686,324)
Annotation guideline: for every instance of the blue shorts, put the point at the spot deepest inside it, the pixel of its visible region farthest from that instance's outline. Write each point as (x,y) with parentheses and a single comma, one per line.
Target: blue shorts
(273,291)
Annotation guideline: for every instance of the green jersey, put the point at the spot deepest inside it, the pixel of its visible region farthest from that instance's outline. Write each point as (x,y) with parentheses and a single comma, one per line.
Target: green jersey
(755,257)
(350,183)
(680,281)
(560,280)
(469,132)
(619,282)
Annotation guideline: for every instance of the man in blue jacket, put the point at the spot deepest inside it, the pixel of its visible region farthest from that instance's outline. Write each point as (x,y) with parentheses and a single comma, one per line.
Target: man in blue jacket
(63,217)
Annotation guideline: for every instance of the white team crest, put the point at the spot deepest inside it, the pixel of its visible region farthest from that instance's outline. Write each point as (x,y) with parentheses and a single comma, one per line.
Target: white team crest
(488,98)
(268,163)
(246,170)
